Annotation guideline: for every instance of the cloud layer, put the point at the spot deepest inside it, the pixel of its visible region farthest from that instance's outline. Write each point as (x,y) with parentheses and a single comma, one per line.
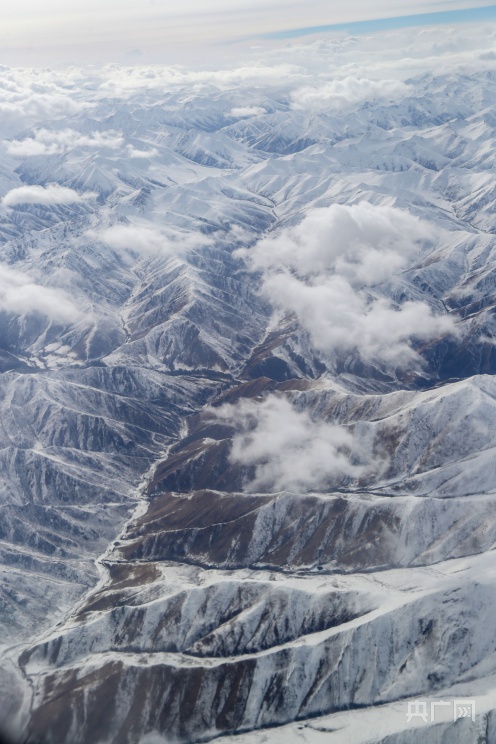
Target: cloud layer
(29,97)
(55,33)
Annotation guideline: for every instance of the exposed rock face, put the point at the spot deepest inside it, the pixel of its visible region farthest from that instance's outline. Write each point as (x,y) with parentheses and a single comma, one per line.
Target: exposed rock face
(150,592)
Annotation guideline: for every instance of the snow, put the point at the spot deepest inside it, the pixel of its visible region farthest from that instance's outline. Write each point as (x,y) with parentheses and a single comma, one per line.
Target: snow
(133,552)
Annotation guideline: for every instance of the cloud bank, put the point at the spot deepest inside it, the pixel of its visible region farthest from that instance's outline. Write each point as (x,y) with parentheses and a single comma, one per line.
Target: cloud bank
(29,97)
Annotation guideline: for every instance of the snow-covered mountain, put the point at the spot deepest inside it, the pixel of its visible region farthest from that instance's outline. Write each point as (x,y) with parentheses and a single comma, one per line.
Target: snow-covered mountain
(247,406)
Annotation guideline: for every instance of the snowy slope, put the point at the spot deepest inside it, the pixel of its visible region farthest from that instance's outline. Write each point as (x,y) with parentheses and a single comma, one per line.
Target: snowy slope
(154,586)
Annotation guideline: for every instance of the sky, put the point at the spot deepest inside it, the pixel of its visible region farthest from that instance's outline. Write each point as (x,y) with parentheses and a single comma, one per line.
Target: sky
(58,32)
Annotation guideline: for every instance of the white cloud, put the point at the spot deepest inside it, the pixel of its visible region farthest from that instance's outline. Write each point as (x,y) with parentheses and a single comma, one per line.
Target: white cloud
(149,240)
(288,449)
(242,112)
(29,97)
(321,270)
(338,317)
(134,237)
(341,69)
(44,195)
(365,243)
(119,81)
(339,94)
(382,58)
(132,152)
(48,142)
(21,295)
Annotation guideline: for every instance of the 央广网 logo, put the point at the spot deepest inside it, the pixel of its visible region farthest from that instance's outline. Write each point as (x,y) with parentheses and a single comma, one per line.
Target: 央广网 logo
(427,710)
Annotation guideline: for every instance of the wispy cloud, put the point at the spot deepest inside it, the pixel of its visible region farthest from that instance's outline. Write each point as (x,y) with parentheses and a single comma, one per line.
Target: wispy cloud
(242,112)
(149,239)
(120,82)
(54,142)
(21,295)
(339,94)
(287,449)
(135,153)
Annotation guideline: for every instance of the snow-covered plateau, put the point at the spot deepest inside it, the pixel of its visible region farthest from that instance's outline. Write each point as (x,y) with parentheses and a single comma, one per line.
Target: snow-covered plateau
(247,398)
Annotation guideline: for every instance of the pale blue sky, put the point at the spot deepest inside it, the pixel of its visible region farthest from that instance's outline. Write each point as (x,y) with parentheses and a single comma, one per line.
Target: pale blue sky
(463,15)
(98,31)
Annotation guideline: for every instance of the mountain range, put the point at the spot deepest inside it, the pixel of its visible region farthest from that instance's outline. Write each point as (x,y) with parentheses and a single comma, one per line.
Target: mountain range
(247,411)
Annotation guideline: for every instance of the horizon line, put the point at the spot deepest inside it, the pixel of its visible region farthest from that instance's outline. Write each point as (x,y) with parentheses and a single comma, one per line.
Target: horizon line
(481,13)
